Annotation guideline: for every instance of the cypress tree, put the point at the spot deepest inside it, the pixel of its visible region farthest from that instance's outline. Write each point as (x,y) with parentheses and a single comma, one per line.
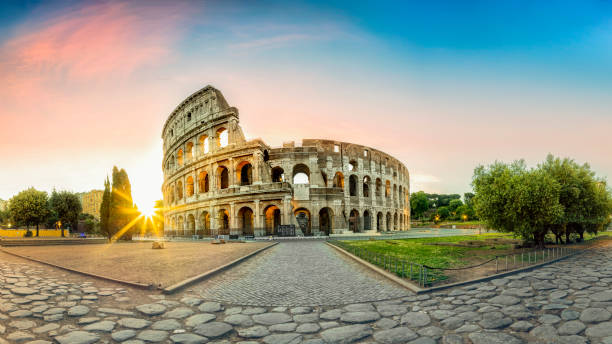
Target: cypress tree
(121,205)
(105,210)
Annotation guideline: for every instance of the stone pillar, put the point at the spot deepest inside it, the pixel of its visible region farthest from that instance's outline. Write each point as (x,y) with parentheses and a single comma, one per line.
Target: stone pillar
(232,174)
(214,220)
(286,215)
(233,223)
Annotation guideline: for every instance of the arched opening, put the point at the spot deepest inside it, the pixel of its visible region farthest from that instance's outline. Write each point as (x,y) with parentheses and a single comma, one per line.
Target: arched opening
(189,186)
(266,155)
(204,145)
(302,216)
(352,166)
(245,173)
(273,219)
(353,185)
(395,222)
(338,180)
(378,187)
(401,222)
(325,220)
(278,175)
(301,174)
(205,223)
(190,225)
(222,138)
(367,221)
(224,221)
(389,222)
(379,221)
(171,195)
(366,186)
(180,228)
(179,190)
(399,195)
(203,184)
(245,219)
(179,157)
(324,176)
(189,151)
(354,221)
(387,188)
(394,191)
(223,176)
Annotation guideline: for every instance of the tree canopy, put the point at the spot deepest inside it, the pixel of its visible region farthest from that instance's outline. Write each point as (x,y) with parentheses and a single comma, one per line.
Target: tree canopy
(67,206)
(29,207)
(559,196)
(122,210)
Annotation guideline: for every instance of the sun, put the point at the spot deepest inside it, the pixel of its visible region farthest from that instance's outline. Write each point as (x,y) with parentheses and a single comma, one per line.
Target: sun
(147,209)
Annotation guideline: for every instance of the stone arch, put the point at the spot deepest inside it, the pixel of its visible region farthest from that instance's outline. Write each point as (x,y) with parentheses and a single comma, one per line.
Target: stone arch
(389,222)
(278,175)
(244,172)
(301,174)
(366,186)
(180,228)
(352,165)
(326,220)
(245,220)
(190,230)
(189,151)
(379,221)
(394,191)
(354,221)
(338,180)
(189,185)
(204,144)
(223,218)
(179,190)
(222,137)
(205,223)
(395,222)
(222,177)
(353,185)
(367,221)
(378,187)
(272,214)
(179,157)
(304,220)
(203,183)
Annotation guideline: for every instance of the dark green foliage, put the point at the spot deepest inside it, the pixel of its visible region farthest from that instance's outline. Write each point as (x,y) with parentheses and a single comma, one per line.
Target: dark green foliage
(122,210)
(559,196)
(29,207)
(67,206)
(419,204)
(105,228)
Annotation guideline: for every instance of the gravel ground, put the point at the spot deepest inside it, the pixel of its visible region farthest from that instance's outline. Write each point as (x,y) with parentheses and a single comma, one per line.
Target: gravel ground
(137,262)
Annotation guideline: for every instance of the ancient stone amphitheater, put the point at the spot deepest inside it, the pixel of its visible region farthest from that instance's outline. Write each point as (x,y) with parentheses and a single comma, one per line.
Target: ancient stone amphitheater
(217,182)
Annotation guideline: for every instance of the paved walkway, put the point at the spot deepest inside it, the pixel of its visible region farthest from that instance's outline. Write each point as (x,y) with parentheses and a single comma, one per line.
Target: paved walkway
(569,302)
(303,273)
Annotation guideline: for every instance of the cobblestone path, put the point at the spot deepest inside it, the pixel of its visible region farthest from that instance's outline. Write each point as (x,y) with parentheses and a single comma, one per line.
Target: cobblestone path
(567,302)
(303,273)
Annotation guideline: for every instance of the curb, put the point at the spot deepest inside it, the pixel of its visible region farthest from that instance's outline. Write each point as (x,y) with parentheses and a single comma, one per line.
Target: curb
(380,271)
(131,284)
(180,285)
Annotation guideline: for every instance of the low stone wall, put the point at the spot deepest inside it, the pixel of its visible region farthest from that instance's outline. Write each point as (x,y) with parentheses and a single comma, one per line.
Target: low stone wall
(19,233)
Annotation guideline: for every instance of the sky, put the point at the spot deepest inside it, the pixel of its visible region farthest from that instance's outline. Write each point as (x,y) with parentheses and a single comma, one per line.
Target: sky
(441,85)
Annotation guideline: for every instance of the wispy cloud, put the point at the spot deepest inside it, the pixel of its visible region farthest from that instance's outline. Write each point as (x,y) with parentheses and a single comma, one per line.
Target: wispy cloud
(273,41)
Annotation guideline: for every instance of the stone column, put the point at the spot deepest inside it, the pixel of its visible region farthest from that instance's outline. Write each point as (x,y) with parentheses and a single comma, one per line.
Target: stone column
(233,219)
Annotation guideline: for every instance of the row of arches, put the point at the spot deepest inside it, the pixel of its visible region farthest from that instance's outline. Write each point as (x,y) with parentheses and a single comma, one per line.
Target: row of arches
(244,223)
(187,155)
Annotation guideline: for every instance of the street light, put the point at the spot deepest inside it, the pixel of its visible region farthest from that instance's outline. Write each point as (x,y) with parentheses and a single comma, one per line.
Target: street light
(464,217)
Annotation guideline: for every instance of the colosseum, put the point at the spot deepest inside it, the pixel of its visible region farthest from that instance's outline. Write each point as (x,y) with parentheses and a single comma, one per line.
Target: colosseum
(216,182)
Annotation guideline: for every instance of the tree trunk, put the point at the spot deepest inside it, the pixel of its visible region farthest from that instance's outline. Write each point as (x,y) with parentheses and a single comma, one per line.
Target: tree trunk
(62,232)
(581,235)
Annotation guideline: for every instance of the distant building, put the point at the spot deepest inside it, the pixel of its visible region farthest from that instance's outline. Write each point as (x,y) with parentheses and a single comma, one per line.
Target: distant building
(91,202)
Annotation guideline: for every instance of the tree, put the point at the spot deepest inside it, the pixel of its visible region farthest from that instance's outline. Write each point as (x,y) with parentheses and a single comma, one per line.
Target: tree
(467,199)
(419,203)
(122,210)
(67,206)
(444,213)
(452,207)
(105,211)
(512,199)
(29,207)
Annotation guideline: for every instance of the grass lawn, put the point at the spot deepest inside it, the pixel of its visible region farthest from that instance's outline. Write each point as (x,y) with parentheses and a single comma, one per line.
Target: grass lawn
(417,250)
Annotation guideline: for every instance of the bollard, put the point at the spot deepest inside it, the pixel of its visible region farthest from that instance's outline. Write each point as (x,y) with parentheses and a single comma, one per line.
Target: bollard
(496,264)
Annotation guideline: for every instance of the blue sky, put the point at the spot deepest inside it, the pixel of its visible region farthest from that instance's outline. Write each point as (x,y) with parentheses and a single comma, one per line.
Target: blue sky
(442,86)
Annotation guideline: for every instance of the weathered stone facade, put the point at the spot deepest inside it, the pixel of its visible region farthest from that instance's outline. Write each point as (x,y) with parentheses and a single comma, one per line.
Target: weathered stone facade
(216,182)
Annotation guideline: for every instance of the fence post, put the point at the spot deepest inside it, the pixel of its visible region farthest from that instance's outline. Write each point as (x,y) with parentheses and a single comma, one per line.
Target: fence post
(411,270)
(496,264)
(403,269)
(522,259)
(514,265)
(425,278)
(506,263)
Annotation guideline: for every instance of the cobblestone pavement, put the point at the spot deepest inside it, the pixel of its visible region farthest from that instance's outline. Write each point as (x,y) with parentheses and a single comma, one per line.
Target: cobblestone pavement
(303,273)
(567,302)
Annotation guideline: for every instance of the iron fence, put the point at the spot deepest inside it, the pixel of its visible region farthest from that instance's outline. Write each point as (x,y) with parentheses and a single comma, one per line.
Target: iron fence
(427,276)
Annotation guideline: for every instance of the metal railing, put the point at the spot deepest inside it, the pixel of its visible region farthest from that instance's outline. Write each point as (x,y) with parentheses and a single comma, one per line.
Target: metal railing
(426,276)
